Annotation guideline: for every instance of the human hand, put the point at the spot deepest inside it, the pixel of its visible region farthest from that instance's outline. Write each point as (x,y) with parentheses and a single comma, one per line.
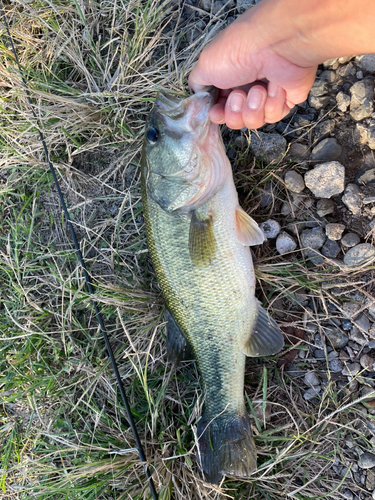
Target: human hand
(258,84)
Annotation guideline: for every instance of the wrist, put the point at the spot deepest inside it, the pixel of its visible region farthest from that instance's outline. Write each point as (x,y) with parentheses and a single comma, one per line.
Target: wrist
(308,32)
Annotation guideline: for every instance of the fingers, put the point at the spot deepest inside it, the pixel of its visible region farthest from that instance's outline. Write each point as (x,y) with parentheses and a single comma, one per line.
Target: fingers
(252,109)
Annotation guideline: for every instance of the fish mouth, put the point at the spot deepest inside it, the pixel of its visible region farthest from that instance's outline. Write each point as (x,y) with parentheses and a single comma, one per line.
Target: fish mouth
(189,115)
(198,104)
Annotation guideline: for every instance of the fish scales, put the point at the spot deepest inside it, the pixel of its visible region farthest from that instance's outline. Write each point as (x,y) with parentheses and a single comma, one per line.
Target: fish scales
(211,300)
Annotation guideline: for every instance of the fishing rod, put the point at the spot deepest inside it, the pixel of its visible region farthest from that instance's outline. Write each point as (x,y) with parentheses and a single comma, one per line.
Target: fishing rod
(89,285)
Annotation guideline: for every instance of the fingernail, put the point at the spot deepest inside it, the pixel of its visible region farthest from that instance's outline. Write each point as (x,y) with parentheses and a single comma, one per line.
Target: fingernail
(255,99)
(236,102)
(272,89)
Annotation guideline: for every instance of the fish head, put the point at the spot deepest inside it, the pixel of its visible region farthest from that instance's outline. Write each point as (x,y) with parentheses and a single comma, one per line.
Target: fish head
(180,146)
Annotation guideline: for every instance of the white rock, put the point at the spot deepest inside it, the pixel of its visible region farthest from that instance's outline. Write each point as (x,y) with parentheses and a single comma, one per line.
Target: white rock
(285,243)
(326,180)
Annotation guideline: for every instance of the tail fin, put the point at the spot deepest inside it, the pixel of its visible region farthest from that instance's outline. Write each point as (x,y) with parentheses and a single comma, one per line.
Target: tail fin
(226,446)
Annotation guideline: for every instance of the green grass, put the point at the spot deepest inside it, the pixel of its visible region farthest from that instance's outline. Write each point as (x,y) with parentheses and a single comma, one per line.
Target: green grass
(93,70)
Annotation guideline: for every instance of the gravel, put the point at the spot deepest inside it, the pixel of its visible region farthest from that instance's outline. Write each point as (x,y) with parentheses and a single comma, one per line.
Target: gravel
(326,150)
(352,199)
(366,460)
(331,249)
(313,238)
(362,96)
(325,206)
(336,338)
(366,62)
(350,240)
(285,243)
(365,176)
(326,180)
(343,101)
(336,366)
(351,369)
(334,231)
(311,379)
(294,181)
(359,254)
(269,146)
(271,228)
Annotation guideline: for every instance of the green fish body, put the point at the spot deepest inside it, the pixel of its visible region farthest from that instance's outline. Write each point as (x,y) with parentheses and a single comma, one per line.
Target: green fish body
(198,237)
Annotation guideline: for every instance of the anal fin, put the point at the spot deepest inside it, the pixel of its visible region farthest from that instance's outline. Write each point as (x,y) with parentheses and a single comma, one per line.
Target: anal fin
(266,338)
(178,347)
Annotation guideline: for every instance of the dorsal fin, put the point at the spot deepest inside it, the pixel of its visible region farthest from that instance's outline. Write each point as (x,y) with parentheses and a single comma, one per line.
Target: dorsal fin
(266,338)
(248,231)
(202,244)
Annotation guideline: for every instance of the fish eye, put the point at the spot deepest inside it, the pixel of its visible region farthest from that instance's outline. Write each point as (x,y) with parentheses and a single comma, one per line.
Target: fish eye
(152,135)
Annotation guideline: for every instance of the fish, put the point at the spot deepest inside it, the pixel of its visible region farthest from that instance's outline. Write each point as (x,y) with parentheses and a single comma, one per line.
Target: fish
(198,238)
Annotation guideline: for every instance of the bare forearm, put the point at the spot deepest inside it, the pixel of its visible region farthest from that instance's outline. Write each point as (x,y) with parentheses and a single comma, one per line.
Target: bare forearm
(311,31)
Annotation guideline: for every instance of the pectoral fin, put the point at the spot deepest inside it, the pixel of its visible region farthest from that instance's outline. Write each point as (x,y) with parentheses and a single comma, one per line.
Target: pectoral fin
(202,244)
(266,338)
(248,231)
(178,347)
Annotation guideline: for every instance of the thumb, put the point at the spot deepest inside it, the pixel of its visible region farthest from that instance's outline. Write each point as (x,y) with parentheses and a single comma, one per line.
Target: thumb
(225,61)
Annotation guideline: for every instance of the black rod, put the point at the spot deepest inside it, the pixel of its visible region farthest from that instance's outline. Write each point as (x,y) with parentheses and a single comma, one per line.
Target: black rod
(89,285)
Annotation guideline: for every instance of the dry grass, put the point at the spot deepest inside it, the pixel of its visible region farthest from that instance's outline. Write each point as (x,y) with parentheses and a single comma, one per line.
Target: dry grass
(93,70)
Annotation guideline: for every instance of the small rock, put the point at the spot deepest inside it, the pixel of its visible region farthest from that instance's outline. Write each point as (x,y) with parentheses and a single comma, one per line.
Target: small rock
(352,199)
(357,336)
(285,243)
(332,355)
(359,75)
(325,206)
(299,151)
(348,495)
(366,134)
(359,254)
(361,102)
(294,181)
(313,238)
(218,7)
(363,322)
(269,195)
(311,379)
(335,366)
(336,338)
(367,362)
(296,227)
(332,63)
(326,150)
(294,371)
(324,129)
(330,249)
(350,309)
(346,324)
(366,62)
(205,5)
(271,228)
(314,257)
(318,342)
(328,76)
(366,176)
(350,240)
(269,146)
(351,369)
(240,142)
(366,460)
(334,231)
(311,393)
(346,71)
(319,102)
(326,180)
(370,480)
(343,101)
(319,88)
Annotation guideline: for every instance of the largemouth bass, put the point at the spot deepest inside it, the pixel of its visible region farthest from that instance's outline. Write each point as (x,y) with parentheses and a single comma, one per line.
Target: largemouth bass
(198,237)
